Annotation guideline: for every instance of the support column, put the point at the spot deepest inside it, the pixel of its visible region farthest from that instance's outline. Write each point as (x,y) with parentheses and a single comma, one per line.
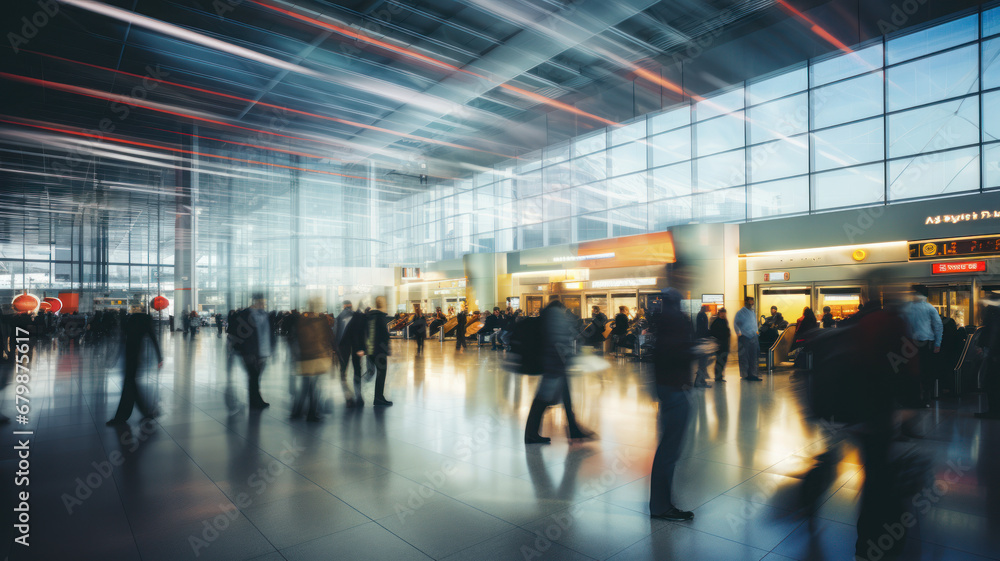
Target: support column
(481,284)
(295,262)
(185,223)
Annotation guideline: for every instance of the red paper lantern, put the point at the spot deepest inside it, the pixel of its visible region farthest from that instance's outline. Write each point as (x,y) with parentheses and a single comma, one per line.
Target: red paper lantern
(54,303)
(44,306)
(25,303)
(160,303)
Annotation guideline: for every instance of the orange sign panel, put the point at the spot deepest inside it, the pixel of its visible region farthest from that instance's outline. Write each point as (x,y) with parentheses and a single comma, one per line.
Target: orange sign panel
(632,251)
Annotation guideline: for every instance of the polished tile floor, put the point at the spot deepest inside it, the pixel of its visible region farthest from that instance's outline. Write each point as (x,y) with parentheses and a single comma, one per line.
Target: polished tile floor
(444,474)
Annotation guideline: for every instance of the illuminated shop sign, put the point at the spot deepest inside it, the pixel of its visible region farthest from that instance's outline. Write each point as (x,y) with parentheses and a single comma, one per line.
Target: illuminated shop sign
(410,273)
(623,283)
(964,217)
(958,267)
(841,297)
(712,299)
(610,255)
(772,277)
(966,247)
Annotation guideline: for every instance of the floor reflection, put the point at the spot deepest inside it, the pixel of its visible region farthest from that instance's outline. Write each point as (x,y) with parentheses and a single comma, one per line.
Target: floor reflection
(444,473)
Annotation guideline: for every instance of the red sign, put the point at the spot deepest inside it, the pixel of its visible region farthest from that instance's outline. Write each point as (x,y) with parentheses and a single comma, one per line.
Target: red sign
(958,267)
(55,304)
(772,277)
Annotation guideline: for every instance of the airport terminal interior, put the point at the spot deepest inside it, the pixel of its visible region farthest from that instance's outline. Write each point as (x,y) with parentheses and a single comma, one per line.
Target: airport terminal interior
(500,280)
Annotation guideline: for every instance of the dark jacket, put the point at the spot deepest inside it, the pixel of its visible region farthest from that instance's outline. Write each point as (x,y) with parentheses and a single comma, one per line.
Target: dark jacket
(418,329)
(490,323)
(621,325)
(463,318)
(138,327)
(243,333)
(777,321)
(828,321)
(377,333)
(720,331)
(559,336)
(595,331)
(672,353)
(701,325)
(350,337)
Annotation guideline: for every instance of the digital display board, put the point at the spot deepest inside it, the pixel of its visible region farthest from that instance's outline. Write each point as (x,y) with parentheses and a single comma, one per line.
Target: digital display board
(971,247)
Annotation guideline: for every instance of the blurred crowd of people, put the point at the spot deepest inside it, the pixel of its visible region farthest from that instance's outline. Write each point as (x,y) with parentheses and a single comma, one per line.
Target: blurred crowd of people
(863,378)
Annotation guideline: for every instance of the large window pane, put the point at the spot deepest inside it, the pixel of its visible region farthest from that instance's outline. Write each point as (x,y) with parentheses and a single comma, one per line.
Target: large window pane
(781,158)
(778,86)
(776,198)
(628,221)
(628,158)
(847,101)
(938,127)
(671,181)
(671,147)
(557,177)
(532,236)
(592,226)
(557,205)
(670,119)
(847,65)
(627,190)
(848,145)
(671,212)
(849,187)
(931,40)
(728,205)
(785,117)
(721,134)
(934,78)
(719,105)
(628,133)
(560,231)
(991,166)
(589,198)
(588,144)
(991,64)
(721,170)
(590,168)
(557,153)
(934,174)
(529,183)
(991,22)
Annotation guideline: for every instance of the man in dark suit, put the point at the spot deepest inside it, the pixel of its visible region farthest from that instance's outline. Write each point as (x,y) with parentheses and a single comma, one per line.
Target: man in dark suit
(138,326)
(350,328)
(254,338)
(378,347)
(463,318)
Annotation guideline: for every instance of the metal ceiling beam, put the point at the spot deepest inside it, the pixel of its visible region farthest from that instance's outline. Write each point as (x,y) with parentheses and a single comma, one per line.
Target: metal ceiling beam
(522,52)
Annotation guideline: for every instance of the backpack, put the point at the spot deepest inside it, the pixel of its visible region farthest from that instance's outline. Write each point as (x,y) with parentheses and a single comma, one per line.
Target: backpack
(526,346)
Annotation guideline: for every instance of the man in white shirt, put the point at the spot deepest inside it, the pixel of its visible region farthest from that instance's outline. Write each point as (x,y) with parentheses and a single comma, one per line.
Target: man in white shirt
(745,324)
(925,329)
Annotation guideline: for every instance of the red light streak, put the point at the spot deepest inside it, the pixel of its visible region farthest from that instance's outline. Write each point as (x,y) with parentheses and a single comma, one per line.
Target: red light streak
(815,27)
(176,150)
(273,106)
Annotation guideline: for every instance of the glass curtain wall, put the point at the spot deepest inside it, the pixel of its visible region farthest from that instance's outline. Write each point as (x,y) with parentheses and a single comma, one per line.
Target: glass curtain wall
(904,117)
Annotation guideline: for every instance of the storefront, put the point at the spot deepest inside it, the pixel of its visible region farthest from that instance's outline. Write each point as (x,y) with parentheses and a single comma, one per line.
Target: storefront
(946,248)
(625,271)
